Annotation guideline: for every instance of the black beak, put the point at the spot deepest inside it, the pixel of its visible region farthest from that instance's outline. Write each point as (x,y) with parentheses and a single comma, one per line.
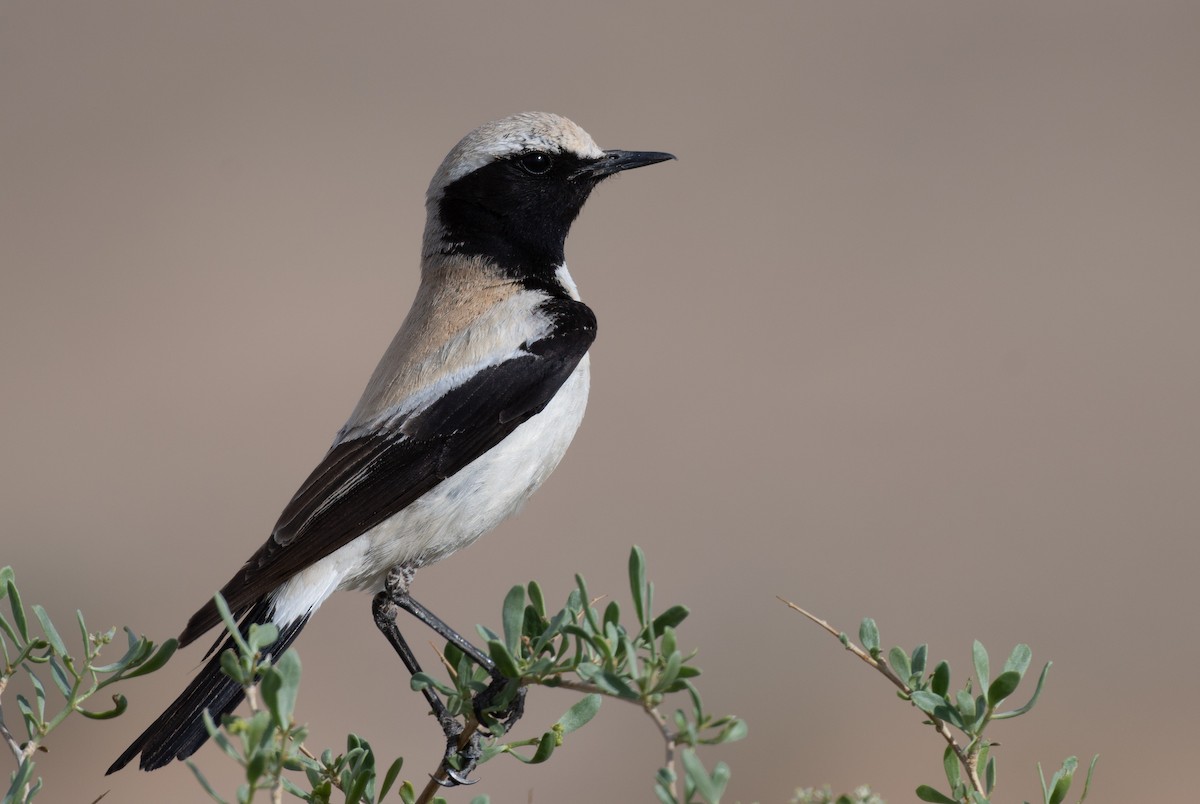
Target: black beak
(616,161)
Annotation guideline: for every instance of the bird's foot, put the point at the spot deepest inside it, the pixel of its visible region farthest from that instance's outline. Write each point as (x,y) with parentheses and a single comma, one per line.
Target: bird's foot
(460,760)
(507,714)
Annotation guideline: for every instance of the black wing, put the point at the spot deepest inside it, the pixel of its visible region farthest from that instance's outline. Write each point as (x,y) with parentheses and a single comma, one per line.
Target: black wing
(364,481)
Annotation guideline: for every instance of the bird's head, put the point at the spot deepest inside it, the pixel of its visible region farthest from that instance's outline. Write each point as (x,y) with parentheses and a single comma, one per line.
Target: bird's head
(509,190)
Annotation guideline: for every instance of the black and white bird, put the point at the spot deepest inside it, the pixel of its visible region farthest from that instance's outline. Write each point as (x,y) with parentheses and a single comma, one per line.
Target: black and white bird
(471,408)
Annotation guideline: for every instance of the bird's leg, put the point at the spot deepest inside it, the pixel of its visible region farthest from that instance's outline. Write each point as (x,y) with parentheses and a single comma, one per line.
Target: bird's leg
(398,595)
(384,611)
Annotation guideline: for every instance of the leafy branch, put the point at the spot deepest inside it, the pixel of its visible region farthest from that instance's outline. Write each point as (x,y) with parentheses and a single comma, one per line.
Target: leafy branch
(587,649)
(969,767)
(580,647)
(76,679)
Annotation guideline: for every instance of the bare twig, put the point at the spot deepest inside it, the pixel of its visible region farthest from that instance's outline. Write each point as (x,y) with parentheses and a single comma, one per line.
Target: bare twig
(13,745)
(436,779)
(441,658)
(669,738)
(20,752)
(969,760)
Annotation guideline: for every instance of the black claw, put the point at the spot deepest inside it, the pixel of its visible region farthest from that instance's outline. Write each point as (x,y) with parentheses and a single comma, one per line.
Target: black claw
(454,779)
(468,755)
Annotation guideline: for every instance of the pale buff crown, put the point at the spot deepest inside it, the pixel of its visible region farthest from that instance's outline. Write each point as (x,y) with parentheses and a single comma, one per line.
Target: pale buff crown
(527,131)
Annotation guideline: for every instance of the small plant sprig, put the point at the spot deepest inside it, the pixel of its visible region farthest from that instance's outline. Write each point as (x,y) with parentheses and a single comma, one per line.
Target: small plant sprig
(75,678)
(970,769)
(825,795)
(270,742)
(589,650)
(580,648)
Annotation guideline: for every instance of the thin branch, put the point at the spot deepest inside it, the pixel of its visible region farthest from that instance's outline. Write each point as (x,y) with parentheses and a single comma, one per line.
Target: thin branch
(435,779)
(938,725)
(442,658)
(252,697)
(669,738)
(13,745)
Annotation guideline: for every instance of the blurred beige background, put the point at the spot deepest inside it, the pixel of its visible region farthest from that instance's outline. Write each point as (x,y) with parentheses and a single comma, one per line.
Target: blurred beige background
(908,331)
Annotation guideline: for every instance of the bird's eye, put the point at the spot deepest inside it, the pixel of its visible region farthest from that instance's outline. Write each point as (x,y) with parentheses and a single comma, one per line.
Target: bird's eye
(536,163)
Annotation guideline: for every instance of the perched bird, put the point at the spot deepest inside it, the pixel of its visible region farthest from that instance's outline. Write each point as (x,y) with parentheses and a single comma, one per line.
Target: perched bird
(471,408)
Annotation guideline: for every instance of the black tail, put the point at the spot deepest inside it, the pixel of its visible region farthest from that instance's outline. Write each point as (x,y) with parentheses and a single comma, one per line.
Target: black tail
(179,731)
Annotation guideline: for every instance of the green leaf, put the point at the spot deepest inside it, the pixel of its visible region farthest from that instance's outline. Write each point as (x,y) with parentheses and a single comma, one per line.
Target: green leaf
(671,618)
(1019,660)
(60,677)
(7,629)
(733,731)
(585,605)
(505,662)
(32,724)
(389,778)
(231,626)
(421,681)
(513,614)
(1036,692)
(1087,783)
(256,765)
(927,793)
(261,635)
(668,643)
(1002,687)
(280,686)
(720,776)
(938,707)
(51,632)
(20,779)
(637,583)
(83,632)
(705,785)
(137,651)
(18,610)
(928,702)
(662,785)
(231,667)
(164,653)
(612,616)
(868,635)
(408,793)
(940,684)
(982,671)
(39,694)
(536,598)
(952,768)
(989,775)
(1060,783)
(670,671)
(359,786)
(119,707)
(900,663)
(919,656)
(966,705)
(545,748)
(580,713)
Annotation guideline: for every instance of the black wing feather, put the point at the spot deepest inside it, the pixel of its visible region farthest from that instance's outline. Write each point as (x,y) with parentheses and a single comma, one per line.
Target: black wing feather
(364,481)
